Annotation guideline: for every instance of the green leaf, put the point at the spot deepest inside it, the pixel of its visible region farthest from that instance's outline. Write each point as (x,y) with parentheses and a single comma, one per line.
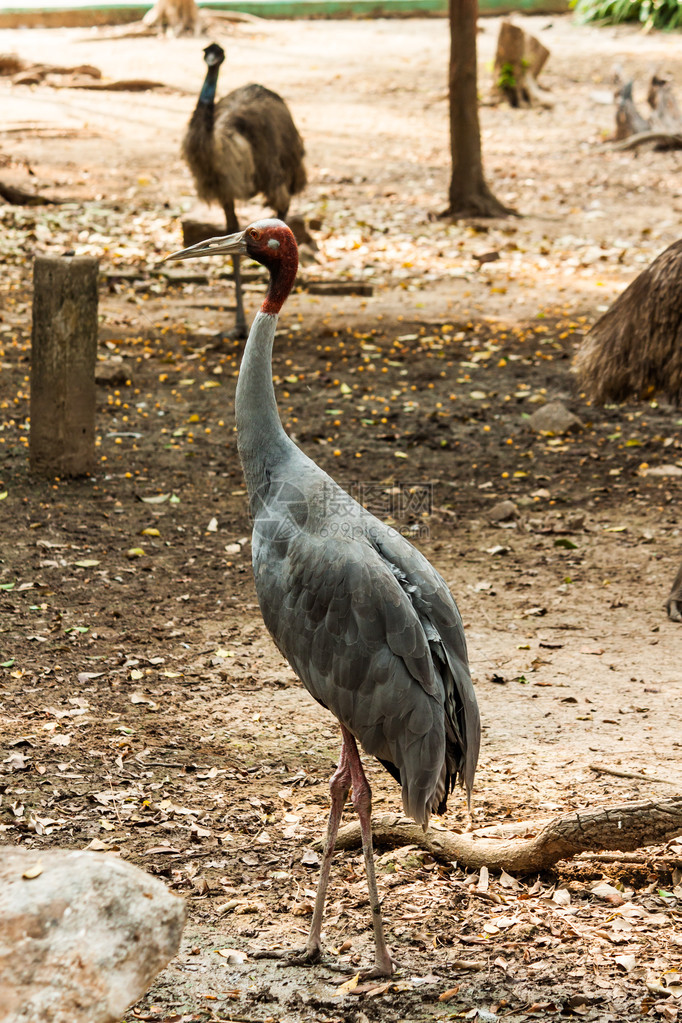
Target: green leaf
(565,542)
(156,498)
(77,628)
(8,664)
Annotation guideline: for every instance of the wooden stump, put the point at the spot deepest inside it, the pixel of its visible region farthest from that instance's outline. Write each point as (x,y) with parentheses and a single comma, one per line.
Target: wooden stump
(663,127)
(663,102)
(63,354)
(519,59)
(629,121)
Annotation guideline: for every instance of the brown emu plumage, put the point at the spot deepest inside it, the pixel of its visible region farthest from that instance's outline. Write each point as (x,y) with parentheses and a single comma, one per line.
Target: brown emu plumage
(243,145)
(635,348)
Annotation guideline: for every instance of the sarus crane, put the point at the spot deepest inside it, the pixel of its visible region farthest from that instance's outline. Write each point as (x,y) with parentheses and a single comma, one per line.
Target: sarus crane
(245,144)
(366,622)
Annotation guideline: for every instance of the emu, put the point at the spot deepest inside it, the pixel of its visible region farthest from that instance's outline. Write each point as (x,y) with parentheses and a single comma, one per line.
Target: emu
(245,144)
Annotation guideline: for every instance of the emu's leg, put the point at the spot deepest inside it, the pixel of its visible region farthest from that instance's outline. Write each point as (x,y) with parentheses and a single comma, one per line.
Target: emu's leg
(280,200)
(674,602)
(232,227)
(362,801)
(339,786)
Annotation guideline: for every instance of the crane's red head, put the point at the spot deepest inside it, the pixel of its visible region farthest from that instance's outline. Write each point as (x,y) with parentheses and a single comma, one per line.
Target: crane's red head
(269,242)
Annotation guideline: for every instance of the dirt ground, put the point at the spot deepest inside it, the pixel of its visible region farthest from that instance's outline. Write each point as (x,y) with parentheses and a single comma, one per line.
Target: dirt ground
(144,708)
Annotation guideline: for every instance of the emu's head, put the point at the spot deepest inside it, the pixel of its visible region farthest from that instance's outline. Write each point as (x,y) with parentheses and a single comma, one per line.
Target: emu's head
(214,55)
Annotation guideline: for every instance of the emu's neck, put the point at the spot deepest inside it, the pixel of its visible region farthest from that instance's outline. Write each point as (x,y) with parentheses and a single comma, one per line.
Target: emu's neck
(208,89)
(261,439)
(201,123)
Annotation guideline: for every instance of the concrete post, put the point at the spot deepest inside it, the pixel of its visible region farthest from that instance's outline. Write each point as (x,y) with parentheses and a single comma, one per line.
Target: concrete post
(63,354)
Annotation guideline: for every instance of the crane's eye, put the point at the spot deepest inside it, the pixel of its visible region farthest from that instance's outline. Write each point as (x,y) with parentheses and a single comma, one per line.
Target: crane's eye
(254,233)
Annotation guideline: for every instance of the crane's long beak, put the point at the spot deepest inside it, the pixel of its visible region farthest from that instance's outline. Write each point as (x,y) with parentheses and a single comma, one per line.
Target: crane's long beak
(228,243)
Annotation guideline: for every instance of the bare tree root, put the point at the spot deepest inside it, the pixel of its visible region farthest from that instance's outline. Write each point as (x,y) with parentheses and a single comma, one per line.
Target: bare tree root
(484,205)
(625,827)
(18,197)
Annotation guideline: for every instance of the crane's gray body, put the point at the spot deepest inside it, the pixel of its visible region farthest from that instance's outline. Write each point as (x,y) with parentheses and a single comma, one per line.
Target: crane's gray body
(365,621)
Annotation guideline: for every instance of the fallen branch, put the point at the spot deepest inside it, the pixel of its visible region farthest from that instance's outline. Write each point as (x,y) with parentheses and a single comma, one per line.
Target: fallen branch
(603,769)
(625,827)
(674,139)
(124,85)
(655,861)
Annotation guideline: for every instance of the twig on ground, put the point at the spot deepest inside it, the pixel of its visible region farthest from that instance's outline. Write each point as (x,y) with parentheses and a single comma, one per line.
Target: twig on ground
(603,769)
(653,860)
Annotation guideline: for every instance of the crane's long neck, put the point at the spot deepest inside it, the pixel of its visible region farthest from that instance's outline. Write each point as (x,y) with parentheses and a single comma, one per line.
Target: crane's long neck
(261,439)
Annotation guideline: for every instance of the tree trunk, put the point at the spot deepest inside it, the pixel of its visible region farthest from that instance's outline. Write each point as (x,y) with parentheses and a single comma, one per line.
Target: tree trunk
(625,827)
(469,196)
(180,17)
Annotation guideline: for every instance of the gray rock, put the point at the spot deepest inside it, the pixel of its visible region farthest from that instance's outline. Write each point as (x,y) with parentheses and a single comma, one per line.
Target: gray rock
(554,418)
(502,511)
(82,935)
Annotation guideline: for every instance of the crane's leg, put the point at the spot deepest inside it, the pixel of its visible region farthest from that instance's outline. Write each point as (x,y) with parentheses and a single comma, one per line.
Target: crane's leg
(232,227)
(339,786)
(362,801)
(349,772)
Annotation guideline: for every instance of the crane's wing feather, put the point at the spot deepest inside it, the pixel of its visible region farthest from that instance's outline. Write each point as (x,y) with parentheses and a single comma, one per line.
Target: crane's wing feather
(442,622)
